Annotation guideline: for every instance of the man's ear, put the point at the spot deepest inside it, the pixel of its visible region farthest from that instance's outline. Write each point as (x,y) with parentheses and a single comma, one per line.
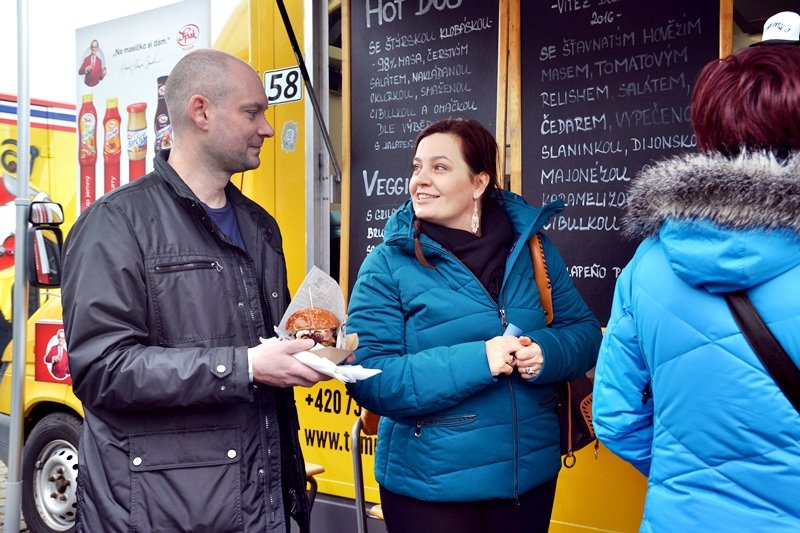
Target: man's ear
(199,111)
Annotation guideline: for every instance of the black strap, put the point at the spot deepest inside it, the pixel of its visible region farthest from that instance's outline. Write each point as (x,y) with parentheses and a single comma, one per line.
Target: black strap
(772,355)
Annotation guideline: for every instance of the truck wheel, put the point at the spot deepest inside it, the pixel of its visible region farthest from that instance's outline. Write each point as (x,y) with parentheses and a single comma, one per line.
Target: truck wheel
(50,474)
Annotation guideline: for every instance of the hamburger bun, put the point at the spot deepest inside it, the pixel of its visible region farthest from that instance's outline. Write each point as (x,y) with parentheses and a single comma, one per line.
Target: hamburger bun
(314,323)
(311,318)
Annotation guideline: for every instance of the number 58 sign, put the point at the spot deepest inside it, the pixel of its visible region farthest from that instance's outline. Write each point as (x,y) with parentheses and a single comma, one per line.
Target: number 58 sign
(283,85)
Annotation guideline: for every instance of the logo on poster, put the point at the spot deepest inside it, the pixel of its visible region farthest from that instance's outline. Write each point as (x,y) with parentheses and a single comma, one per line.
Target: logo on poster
(188,35)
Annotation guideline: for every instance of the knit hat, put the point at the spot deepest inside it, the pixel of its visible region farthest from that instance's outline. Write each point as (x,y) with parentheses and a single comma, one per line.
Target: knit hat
(781,28)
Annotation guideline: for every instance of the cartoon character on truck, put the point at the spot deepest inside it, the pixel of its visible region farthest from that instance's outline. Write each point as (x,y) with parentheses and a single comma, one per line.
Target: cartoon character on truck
(52,414)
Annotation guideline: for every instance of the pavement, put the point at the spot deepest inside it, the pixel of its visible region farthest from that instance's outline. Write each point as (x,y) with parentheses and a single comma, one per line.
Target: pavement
(3,481)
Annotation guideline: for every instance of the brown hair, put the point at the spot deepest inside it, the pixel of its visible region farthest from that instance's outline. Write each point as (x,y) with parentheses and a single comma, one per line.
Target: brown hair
(749,100)
(479,150)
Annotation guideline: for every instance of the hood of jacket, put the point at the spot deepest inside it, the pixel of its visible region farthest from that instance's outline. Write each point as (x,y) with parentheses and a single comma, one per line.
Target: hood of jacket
(725,223)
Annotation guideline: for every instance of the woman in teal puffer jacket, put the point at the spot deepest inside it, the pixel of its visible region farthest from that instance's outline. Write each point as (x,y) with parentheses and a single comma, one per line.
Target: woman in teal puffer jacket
(679,393)
(468,439)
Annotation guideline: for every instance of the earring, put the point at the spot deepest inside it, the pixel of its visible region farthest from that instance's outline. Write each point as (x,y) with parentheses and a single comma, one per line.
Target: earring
(475,222)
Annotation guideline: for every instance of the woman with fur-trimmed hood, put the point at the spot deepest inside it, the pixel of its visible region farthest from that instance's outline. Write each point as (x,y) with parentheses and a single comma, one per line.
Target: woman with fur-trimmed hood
(679,393)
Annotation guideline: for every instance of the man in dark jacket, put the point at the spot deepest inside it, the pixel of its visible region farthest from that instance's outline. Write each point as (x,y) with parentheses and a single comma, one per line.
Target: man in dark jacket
(169,281)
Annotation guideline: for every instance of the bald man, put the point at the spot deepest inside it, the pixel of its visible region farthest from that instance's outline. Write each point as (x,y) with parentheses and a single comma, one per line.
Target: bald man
(169,281)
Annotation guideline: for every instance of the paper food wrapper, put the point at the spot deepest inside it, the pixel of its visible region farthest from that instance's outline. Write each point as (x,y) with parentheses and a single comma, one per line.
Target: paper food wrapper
(323,365)
(320,290)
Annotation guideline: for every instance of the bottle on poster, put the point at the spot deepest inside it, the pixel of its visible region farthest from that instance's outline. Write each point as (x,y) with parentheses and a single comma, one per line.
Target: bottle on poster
(163,127)
(137,140)
(87,149)
(112,145)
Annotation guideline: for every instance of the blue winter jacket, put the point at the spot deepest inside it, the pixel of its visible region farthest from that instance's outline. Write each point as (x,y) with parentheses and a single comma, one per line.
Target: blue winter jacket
(678,392)
(449,430)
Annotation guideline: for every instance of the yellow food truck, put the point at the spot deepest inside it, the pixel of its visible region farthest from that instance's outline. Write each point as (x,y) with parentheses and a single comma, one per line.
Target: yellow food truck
(351,83)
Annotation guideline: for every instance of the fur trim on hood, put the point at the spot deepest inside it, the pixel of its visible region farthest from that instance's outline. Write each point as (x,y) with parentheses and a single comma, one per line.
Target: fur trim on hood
(749,191)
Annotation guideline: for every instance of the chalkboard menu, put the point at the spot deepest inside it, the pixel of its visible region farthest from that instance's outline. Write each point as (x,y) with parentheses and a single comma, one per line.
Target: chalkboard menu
(606,88)
(411,63)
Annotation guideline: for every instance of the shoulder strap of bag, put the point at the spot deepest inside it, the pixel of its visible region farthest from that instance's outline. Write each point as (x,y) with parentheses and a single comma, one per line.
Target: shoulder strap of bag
(767,348)
(541,276)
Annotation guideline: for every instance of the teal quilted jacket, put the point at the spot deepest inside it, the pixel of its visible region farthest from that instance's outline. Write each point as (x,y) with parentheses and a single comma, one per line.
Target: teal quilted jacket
(449,430)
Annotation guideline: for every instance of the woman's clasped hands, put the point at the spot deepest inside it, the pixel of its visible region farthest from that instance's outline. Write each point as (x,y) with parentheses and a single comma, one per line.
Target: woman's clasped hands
(506,354)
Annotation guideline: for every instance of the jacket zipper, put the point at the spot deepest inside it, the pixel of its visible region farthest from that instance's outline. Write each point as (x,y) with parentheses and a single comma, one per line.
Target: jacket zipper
(504,321)
(500,311)
(515,433)
(249,307)
(647,391)
(195,265)
(259,390)
(445,421)
(267,484)
(269,469)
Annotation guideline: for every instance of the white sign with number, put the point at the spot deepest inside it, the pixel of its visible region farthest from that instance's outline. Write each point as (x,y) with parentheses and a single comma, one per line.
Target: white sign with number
(283,85)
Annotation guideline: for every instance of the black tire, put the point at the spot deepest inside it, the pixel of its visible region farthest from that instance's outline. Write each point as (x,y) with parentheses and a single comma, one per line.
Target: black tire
(50,474)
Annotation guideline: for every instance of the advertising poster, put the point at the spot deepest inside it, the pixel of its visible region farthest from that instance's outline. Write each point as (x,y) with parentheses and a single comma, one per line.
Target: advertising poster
(52,356)
(120,69)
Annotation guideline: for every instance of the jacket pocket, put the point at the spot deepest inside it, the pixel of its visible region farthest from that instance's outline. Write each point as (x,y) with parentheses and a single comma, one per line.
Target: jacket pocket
(437,445)
(190,296)
(187,480)
(443,421)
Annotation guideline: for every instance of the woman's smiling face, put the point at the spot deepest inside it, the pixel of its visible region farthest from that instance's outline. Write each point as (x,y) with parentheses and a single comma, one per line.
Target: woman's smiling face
(443,190)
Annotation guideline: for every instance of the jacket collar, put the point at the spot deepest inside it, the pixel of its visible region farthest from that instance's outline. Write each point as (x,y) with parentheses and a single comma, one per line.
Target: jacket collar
(753,190)
(168,174)
(250,233)
(525,219)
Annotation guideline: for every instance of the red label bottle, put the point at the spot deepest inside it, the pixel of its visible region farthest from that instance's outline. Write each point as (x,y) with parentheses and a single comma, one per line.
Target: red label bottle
(112,145)
(87,150)
(137,140)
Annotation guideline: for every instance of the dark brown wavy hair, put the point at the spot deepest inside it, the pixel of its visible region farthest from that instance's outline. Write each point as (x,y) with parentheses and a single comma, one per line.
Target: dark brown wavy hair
(479,150)
(749,101)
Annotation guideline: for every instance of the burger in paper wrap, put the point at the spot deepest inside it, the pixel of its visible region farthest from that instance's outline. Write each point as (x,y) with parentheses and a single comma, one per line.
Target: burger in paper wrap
(314,323)
(317,312)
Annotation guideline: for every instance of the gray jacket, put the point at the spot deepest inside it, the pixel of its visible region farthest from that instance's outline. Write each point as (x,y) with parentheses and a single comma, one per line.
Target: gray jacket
(159,310)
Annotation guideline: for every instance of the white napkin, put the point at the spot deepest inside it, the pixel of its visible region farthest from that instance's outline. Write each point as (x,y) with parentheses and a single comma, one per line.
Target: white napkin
(344,373)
